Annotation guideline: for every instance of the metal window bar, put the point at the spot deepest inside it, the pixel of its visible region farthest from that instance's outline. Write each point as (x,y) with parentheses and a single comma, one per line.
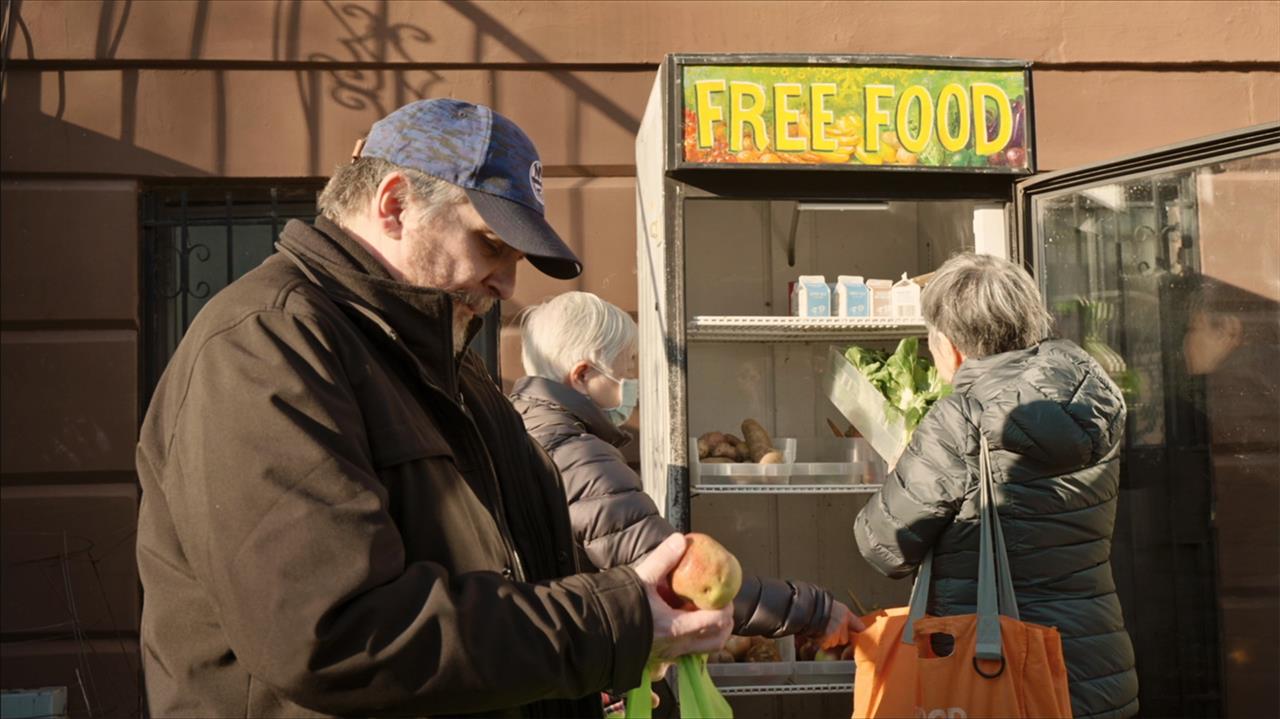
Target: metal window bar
(176,279)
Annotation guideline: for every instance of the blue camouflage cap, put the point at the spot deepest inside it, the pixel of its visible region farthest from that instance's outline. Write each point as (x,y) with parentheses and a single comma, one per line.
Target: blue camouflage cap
(490,158)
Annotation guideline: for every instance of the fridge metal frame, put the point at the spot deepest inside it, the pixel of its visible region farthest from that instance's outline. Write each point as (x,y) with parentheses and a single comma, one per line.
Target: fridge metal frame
(664,181)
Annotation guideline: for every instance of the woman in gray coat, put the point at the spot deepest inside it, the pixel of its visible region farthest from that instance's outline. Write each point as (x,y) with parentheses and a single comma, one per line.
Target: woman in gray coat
(1054,422)
(579,353)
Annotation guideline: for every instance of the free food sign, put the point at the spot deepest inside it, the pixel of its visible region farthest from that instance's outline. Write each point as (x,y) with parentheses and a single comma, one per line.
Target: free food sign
(840,115)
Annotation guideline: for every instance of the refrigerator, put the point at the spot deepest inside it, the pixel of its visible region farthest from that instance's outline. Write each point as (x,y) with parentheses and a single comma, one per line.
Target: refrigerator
(754,171)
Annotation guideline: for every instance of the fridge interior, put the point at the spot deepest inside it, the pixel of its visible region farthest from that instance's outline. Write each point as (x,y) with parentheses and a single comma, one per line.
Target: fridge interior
(736,264)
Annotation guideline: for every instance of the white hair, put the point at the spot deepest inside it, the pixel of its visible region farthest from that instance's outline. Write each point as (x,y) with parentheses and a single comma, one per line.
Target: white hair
(570,328)
(985,305)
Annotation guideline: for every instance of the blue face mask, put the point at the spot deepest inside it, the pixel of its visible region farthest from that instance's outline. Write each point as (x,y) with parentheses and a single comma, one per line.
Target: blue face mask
(630,398)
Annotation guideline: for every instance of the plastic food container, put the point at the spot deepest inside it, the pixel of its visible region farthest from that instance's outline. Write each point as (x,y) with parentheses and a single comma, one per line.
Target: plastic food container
(853,297)
(704,473)
(783,673)
(817,461)
(881,298)
(906,300)
(812,296)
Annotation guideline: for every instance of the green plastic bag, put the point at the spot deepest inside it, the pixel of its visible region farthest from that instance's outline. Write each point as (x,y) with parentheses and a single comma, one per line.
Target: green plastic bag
(699,698)
(639,701)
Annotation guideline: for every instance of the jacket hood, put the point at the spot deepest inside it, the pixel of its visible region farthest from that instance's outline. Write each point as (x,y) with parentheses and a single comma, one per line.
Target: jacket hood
(1052,404)
(539,390)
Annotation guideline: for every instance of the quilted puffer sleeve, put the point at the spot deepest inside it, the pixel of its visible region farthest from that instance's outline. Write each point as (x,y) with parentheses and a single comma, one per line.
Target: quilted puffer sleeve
(921,496)
(776,608)
(614,520)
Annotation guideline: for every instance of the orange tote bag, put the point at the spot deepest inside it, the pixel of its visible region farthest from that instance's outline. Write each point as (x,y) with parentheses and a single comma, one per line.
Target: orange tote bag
(999,666)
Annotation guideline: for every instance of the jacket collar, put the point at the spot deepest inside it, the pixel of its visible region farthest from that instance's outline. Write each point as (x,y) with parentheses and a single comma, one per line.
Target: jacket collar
(422,316)
(973,370)
(540,389)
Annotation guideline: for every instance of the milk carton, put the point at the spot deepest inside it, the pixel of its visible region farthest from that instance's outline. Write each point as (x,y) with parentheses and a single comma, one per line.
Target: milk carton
(812,297)
(881,298)
(906,299)
(853,297)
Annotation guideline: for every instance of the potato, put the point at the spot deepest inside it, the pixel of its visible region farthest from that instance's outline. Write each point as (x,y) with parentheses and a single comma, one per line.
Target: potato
(739,446)
(737,646)
(758,442)
(834,430)
(772,457)
(708,442)
(726,450)
(763,650)
(720,657)
(717,460)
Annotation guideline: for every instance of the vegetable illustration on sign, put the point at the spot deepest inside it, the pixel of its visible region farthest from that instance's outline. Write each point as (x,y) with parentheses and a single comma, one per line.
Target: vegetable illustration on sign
(900,116)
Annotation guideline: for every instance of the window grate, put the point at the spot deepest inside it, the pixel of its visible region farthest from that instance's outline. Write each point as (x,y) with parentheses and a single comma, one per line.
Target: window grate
(197,239)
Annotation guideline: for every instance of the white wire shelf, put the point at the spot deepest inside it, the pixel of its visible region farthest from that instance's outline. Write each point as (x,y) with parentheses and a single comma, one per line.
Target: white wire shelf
(785,489)
(749,328)
(788,689)
(785,677)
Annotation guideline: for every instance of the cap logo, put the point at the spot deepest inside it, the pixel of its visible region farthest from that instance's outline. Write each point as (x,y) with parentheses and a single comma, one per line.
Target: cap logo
(535,181)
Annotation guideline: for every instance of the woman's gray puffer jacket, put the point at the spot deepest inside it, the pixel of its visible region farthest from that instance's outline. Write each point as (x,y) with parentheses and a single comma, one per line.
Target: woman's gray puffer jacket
(1054,422)
(615,522)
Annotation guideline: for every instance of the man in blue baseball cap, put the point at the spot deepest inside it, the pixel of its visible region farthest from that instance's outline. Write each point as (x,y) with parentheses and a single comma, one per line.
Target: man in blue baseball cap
(341,513)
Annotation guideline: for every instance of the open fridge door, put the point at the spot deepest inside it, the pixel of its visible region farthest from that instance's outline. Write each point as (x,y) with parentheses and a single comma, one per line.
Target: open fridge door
(1165,267)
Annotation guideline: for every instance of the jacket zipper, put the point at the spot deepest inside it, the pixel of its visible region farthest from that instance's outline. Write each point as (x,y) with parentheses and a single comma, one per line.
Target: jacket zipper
(497,493)
(474,437)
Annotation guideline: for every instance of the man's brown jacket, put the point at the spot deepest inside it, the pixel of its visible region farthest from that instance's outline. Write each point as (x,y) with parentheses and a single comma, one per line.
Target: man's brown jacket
(340,518)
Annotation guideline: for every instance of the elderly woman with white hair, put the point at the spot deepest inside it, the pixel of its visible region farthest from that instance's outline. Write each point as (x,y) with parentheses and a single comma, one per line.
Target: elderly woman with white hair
(579,353)
(1054,422)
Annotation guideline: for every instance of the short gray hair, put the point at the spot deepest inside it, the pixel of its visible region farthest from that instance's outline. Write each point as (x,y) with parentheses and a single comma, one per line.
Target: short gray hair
(985,305)
(352,187)
(570,328)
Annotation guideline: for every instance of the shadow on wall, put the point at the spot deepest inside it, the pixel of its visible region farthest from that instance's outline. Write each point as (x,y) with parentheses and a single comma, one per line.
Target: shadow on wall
(376,71)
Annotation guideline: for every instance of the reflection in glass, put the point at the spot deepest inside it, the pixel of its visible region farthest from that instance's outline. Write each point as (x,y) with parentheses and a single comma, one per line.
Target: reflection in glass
(1171,282)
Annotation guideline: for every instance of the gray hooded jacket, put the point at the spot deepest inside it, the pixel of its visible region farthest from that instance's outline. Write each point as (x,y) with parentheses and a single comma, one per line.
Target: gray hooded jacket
(615,523)
(1054,422)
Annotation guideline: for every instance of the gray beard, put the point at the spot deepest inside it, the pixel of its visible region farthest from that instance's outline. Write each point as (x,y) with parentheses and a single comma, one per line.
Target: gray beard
(480,302)
(460,334)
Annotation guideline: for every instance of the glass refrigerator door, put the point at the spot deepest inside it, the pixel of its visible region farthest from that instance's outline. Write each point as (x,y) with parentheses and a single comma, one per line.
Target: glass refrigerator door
(1166,269)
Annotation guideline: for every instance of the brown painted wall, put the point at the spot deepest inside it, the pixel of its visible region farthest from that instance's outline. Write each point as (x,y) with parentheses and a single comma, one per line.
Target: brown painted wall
(101,97)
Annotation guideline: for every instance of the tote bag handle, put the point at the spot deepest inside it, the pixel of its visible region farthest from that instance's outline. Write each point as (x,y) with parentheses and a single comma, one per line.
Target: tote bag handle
(995,583)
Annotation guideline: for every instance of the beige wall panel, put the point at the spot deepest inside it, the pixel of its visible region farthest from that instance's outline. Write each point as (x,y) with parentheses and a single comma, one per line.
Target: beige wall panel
(250,123)
(109,669)
(81,536)
(282,124)
(596,217)
(1086,117)
(69,250)
(585,31)
(1264,95)
(69,401)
